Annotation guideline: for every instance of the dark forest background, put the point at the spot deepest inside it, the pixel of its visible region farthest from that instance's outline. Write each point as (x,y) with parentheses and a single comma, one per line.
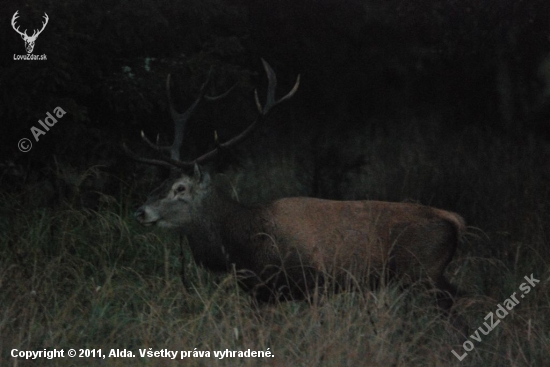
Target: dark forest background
(364,64)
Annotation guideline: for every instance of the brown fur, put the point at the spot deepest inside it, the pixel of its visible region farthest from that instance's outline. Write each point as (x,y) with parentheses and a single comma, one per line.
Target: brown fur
(290,247)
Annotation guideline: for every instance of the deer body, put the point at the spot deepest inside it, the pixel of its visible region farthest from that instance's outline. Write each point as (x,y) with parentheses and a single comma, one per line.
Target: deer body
(286,248)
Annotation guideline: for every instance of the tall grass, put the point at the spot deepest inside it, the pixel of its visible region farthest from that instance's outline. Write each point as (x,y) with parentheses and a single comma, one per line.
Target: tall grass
(80,278)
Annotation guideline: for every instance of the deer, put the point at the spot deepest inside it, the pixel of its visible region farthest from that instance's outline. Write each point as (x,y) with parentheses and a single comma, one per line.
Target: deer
(290,248)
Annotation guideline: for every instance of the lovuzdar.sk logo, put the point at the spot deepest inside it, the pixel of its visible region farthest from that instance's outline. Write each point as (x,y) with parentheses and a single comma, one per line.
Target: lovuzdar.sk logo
(29,40)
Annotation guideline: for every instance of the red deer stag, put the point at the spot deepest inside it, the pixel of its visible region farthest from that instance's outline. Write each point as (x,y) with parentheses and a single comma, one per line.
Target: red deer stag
(287,248)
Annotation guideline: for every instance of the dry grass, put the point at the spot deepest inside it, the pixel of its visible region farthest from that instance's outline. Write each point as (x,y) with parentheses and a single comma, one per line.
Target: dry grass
(75,278)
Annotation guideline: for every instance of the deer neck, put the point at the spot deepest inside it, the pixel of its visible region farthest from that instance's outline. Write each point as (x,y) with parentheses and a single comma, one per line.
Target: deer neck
(215,238)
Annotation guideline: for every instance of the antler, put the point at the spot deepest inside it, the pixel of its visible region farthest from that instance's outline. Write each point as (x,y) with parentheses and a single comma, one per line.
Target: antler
(181,119)
(46,18)
(15,16)
(36,32)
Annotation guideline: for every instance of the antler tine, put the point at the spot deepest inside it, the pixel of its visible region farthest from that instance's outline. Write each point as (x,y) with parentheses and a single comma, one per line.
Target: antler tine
(46,19)
(154,162)
(291,93)
(175,114)
(272,85)
(264,111)
(13,19)
(180,119)
(36,31)
(156,145)
(220,96)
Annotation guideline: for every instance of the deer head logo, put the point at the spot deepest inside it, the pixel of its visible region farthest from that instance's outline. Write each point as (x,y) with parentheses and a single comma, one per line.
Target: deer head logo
(29,40)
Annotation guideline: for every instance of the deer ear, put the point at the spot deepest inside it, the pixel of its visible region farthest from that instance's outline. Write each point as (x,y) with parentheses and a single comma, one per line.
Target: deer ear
(197,173)
(201,177)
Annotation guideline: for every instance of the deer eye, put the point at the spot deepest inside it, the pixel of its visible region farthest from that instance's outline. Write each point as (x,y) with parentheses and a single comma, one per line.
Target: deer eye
(179,189)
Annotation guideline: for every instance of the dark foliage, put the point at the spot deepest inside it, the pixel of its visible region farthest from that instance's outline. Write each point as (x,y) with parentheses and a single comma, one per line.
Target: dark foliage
(363,63)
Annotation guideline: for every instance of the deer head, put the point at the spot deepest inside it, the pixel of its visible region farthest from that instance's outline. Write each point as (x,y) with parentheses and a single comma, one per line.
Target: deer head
(29,40)
(176,202)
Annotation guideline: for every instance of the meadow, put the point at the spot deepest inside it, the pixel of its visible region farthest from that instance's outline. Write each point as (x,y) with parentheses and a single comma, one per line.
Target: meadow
(92,278)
